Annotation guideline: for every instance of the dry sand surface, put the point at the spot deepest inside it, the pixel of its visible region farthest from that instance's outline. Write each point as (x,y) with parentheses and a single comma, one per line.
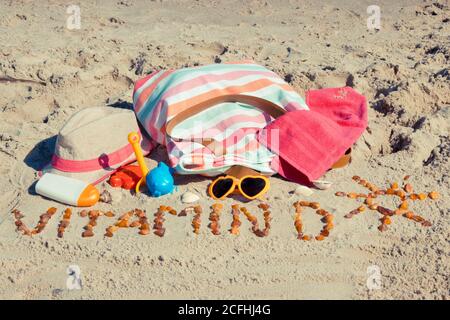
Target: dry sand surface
(402,69)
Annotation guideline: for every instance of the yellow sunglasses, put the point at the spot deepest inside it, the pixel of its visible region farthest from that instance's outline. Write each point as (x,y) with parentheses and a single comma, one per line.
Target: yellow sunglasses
(250,186)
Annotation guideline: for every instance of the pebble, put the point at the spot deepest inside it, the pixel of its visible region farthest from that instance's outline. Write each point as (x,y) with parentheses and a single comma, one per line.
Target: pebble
(105,197)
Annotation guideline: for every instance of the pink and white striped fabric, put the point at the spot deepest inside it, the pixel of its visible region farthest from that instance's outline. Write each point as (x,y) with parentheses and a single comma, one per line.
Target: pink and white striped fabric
(161,95)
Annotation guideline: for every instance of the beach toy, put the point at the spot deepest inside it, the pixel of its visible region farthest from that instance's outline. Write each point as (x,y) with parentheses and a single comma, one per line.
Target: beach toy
(67,190)
(126,177)
(159,180)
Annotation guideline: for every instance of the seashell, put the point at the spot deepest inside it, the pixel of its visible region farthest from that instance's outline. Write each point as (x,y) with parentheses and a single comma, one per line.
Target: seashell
(135,224)
(196,224)
(44,219)
(51,211)
(329,226)
(108,234)
(414,196)
(433,195)
(217,206)
(314,205)
(87,233)
(112,229)
(400,193)
(303,191)
(390,191)
(67,214)
(409,215)
(105,197)
(362,195)
(189,197)
(260,233)
(236,224)
(322,184)
(351,214)
(234,231)
(145,226)
(160,232)
(94,214)
(122,223)
(140,213)
(198,209)
(403,205)
(408,188)
(83,213)
(422,196)
(385,211)
(426,223)
(325,233)
(17,214)
(158,225)
(64,223)
(126,216)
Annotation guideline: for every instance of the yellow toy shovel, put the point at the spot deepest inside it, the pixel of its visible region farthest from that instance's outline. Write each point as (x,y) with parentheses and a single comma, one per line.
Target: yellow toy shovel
(159,181)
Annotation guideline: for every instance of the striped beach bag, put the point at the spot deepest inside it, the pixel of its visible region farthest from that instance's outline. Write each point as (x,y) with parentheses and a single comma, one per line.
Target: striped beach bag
(208,116)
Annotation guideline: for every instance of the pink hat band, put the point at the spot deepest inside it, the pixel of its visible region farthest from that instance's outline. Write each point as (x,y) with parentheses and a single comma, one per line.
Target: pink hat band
(104,161)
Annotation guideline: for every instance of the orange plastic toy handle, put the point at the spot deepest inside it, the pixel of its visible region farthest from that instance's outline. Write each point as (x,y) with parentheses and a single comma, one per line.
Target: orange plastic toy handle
(133,139)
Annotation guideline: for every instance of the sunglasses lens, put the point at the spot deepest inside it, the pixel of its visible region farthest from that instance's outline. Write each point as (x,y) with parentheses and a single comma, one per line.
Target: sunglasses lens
(221,187)
(253,186)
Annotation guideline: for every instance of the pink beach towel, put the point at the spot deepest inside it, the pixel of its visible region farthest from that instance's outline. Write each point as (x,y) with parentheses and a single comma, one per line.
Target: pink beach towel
(310,142)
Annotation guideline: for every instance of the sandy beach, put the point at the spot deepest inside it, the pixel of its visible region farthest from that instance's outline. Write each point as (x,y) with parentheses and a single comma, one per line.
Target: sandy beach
(48,72)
